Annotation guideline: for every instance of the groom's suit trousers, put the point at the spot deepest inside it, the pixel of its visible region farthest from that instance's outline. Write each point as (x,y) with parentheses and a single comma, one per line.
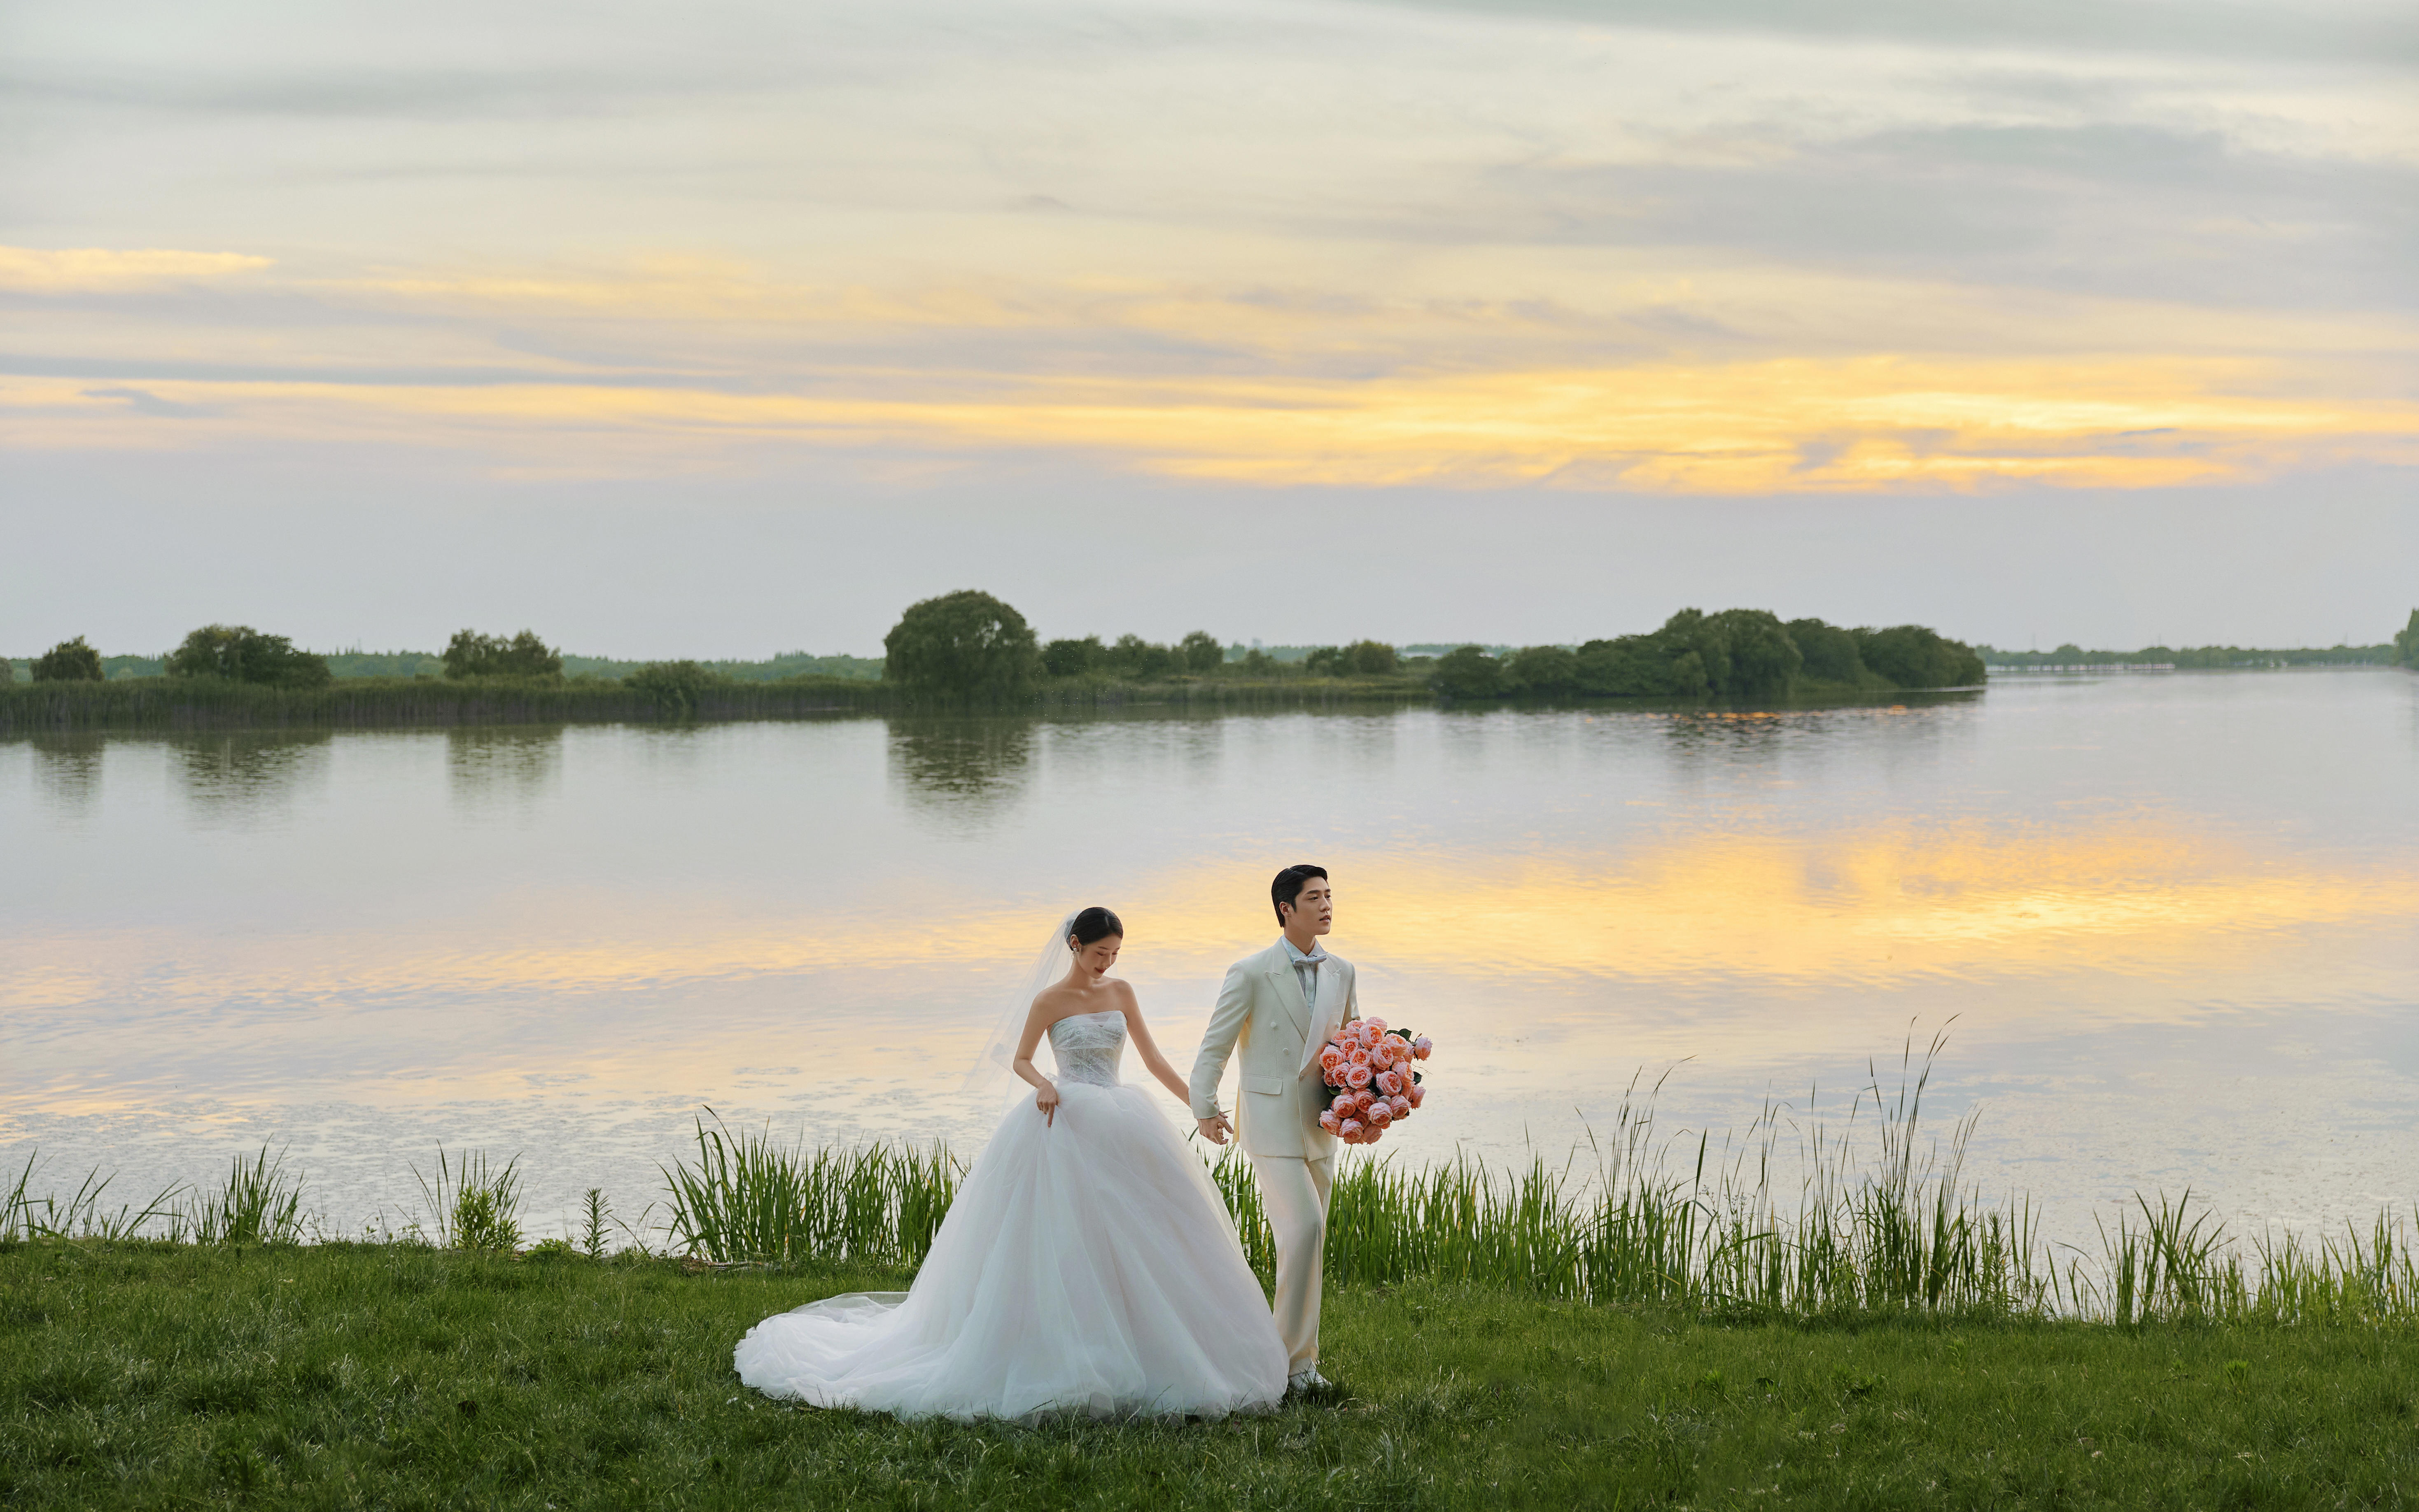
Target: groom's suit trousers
(1293,1191)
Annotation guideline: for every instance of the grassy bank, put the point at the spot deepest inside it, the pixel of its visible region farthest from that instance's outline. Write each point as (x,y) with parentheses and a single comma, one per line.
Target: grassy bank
(144,1375)
(211,704)
(1866,1219)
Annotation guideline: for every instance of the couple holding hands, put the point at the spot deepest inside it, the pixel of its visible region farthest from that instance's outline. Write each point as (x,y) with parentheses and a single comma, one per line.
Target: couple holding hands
(1087,1264)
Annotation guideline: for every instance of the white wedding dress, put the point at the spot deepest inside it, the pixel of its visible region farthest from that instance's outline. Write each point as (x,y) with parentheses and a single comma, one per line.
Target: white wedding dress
(1087,1266)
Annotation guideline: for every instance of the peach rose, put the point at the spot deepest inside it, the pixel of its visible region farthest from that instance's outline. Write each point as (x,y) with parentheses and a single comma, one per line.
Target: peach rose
(1349,1128)
(1343,1103)
(1331,1057)
(1402,1105)
(1329,1121)
(1421,1045)
(1376,1023)
(1369,1135)
(1358,1077)
(1389,1082)
(1417,1094)
(1382,1113)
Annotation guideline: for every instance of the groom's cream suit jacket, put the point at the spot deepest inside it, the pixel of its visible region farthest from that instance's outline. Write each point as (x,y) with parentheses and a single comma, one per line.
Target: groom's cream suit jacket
(1261,1009)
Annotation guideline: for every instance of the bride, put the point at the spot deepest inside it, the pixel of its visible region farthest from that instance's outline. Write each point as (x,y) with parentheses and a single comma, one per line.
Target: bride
(1086,1266)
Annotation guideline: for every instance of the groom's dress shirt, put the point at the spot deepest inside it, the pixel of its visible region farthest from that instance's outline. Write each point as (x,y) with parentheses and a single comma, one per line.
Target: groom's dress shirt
(1305,971)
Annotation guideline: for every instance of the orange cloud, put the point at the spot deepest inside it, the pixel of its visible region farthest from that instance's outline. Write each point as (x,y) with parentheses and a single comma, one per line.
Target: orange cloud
(72,270)
(1797,424)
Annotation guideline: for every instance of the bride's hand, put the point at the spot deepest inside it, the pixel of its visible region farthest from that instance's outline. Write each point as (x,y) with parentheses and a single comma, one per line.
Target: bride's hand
(1046,1099)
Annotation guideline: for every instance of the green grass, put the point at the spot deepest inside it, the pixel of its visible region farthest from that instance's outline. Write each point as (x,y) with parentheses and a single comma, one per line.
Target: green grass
(1860,1219)
(147,1374)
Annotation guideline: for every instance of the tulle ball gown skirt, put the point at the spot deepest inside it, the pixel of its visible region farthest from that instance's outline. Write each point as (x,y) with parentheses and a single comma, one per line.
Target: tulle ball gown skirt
(1086,1266)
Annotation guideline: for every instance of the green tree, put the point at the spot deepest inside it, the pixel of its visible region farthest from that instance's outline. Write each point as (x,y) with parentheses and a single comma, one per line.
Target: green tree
(966,644)
(1201,653)
(1763,660)
(1690,633)
(1629,666)
(70,662)
(1324,661)
(1075,659)
(673,685)
(2405,642)
(1830,651)
(1541,671)
(1372,658)
(1137,660)
(473,654)
(1468,673)
(244,654)
(1912,656)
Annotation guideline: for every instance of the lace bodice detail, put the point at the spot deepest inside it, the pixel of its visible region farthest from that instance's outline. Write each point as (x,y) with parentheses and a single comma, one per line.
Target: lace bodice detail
(1088,1046)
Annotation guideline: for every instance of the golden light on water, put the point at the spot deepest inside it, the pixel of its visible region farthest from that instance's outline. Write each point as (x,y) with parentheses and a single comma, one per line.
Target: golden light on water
(1902,902)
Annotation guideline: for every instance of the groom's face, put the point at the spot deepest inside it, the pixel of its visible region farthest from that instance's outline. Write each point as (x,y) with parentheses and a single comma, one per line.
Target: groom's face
(1316,907)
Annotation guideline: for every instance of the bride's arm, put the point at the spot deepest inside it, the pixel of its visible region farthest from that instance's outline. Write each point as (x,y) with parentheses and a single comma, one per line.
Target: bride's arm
(1045,1096)
(1146,1047)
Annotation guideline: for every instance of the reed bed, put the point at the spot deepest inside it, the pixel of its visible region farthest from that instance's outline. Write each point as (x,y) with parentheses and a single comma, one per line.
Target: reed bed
(1878,1223)
(1860,1217)
(749,1199)
(260,1204)
(215,704)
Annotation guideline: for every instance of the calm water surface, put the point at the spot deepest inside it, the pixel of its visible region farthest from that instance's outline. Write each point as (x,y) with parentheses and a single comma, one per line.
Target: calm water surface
(2170,924)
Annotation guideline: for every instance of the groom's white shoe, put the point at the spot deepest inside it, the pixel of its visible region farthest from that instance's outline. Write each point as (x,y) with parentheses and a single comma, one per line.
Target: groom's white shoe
(1308,1380)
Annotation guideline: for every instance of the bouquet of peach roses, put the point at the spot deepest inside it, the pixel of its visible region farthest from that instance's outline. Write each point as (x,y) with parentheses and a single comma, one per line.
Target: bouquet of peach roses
(1369,1068)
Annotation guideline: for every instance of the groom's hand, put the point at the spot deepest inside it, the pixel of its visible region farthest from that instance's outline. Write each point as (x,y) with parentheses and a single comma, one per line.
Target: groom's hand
(1214,1128)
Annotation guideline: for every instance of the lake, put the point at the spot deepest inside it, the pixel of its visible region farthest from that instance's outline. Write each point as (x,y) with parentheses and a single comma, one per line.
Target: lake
(2169,924)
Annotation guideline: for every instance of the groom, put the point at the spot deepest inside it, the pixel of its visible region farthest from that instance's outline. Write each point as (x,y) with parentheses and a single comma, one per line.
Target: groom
(1281,1005)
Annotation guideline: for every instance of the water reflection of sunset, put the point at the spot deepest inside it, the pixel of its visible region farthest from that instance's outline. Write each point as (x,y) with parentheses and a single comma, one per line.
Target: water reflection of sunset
(1857,907)
(566,943)
(1900,902)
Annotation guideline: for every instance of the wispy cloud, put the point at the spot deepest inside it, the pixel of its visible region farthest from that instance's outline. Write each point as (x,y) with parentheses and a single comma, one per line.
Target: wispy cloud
(1739,247)
(78,269)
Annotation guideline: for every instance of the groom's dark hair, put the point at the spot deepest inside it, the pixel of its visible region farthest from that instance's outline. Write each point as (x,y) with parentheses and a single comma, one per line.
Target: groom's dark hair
(1288,886)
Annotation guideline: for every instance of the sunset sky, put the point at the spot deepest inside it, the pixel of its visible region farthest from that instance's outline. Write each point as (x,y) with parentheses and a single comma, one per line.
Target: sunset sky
(725,328)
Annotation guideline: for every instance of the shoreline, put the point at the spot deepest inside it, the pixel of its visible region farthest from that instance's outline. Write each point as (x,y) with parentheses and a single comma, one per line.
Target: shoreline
(170,705)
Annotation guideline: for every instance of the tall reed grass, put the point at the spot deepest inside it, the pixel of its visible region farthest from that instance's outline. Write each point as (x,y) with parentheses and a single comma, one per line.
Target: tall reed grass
(1800,1216)
(78,1216)
(260,1204)
(473,1203)
(1796,1218)
(216,703)
(751,1199)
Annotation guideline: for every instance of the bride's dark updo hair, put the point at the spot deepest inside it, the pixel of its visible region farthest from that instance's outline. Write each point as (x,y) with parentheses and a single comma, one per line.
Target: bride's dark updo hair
(1092,925)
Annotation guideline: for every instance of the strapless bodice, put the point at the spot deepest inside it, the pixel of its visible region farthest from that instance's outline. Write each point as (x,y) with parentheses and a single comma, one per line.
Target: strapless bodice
(1088,1046)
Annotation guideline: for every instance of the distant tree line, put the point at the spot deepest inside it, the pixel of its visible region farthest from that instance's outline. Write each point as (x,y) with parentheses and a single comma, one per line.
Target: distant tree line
(969,645)
(2405,642)
(1737,652)
(1132,659)
(2198,659)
